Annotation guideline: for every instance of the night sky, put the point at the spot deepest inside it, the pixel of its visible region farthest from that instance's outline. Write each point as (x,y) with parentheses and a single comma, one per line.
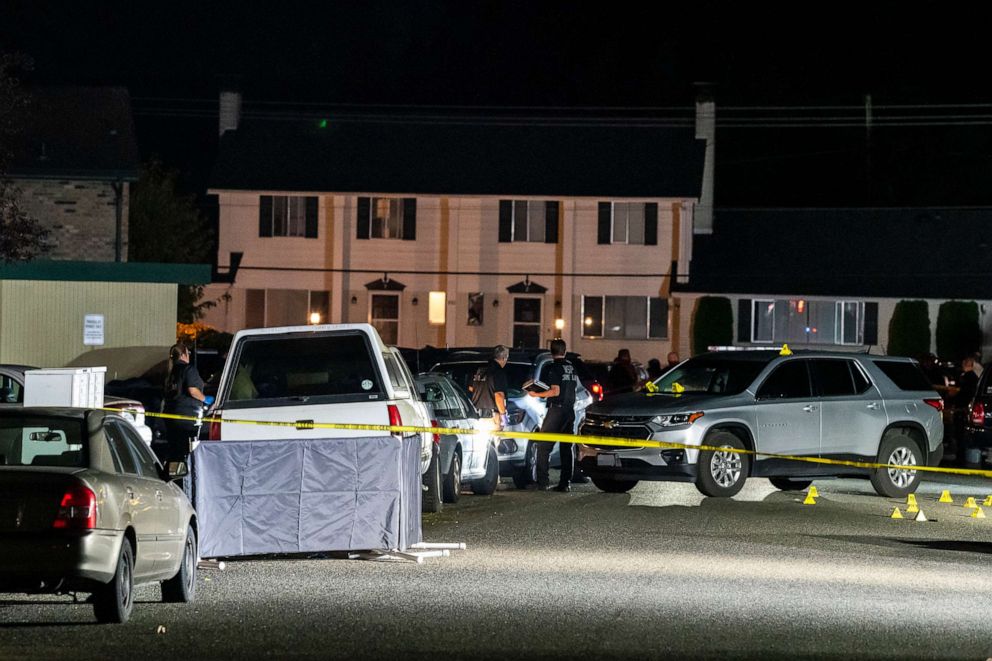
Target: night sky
(173,56)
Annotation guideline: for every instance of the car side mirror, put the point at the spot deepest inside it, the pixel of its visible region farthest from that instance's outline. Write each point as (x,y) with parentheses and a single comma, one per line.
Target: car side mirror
(176,470)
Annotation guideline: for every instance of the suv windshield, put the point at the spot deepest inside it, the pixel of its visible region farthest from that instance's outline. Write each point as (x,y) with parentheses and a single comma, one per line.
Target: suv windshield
(714,376)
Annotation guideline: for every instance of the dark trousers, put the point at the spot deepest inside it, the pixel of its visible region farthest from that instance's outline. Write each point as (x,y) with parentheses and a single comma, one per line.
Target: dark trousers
(558,420)
(178,434)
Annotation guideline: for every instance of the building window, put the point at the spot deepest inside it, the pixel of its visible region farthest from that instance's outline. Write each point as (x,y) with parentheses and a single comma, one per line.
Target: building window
(287,215)
(285,307)
(384,315)
(807,322)
(387,218)
(528,221)
(625,317)
(526,322)
(633,223)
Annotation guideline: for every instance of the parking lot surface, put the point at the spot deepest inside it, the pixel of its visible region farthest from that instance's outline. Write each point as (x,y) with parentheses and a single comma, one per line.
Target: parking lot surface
(659,572)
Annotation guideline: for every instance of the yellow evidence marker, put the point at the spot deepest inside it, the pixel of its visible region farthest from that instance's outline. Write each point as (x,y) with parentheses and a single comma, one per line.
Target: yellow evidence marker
(813,493)
(911,505)
(945,497)
(979,513)
(988,501)
(970,502)
(810,500)
(896,514)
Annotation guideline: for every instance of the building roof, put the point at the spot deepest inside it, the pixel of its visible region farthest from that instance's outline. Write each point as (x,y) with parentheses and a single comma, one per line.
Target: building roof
(448,158)
(71,271)
(940,253)
(76,133)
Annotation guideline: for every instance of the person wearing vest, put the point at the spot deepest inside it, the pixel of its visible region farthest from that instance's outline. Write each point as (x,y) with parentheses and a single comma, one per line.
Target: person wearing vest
(183,396)
(562,381)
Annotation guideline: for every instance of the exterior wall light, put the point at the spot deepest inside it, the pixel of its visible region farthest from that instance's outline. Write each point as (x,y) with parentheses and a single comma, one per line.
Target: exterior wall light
(315,318)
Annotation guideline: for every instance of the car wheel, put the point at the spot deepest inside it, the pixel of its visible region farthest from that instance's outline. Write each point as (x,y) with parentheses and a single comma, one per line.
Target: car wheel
(181,588)
(897,447)
(609,485)
(721,473)
(114,602)
(432,480)
(527,475)
(453,479)
(789,484)
(486,486)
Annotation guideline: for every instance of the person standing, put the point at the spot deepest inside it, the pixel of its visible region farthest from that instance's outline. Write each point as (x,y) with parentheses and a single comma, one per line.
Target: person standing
(673,359)
(622,376)
(183,396)
(654,369)
(489,387)
(559,418)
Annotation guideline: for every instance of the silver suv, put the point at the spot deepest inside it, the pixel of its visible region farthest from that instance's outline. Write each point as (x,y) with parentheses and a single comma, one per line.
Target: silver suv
(814,404)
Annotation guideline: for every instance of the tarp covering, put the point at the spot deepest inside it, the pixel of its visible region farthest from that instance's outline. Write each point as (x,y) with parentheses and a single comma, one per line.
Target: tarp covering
(292,496)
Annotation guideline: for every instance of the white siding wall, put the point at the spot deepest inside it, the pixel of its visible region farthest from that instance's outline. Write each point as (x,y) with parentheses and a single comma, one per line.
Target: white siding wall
(472,246)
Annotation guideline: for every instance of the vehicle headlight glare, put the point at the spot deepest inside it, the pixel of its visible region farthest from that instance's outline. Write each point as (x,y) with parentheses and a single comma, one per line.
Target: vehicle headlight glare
(677,419)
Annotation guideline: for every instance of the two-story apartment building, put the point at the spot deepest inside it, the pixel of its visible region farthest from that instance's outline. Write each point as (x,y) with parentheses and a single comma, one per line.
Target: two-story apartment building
(452,232)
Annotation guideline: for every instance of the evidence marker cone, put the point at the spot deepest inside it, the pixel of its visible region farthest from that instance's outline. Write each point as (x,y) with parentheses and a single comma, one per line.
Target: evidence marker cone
(920,516)
(988,501)
(970,502)
(978,513)
(810,500)
(896,514)
(945,497)
(813,493)
(911,505)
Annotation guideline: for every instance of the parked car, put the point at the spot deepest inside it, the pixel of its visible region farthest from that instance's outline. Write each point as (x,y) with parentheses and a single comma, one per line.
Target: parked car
(12,392)
(816,404)
(332,373)
(465,459)
(600,370)
(86,507)
(517,458)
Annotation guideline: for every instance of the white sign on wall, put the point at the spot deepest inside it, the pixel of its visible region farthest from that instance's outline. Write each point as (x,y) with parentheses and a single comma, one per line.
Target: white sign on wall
(93,330)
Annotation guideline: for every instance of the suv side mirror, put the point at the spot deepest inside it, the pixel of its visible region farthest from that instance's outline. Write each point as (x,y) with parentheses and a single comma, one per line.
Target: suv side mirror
(176,470)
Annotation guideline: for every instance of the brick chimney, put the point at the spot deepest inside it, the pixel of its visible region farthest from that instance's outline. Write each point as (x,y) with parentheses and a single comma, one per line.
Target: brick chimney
(705,130)
(230,110)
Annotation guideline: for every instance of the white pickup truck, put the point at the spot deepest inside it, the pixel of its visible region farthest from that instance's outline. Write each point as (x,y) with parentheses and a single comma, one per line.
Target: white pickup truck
(332,373)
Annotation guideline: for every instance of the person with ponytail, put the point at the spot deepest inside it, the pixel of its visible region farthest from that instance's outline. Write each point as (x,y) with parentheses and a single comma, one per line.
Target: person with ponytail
(183,396)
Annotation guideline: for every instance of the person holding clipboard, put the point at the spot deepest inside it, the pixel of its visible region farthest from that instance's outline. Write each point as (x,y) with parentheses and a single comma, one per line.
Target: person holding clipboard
(560,417)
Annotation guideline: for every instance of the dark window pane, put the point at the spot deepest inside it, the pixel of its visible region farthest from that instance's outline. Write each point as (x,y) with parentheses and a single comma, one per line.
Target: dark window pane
(142,455)
(527,310)
(788,381)
(385,306)
(592,316)
(658,319)
(833,378)
(861,382)
(119,445)
(906,376)
(519,220)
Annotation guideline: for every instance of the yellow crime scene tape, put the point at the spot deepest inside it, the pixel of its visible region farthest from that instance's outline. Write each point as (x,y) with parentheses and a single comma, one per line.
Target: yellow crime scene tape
(566,438)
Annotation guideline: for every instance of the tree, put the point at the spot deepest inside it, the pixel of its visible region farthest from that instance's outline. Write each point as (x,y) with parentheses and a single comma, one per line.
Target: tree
(22,238)
(713,323)
(958,331)
(909,329)
(165,226)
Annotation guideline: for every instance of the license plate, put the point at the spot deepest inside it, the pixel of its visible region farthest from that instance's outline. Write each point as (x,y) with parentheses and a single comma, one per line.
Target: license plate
(608,459)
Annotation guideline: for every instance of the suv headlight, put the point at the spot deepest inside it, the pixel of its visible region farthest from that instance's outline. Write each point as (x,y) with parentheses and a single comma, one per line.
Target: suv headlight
(677,419)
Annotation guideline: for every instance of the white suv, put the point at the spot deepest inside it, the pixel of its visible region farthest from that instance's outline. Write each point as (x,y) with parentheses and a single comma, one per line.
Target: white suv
(334,373)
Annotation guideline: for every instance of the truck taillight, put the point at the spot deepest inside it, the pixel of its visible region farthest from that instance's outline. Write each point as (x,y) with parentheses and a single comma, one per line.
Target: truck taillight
(395,419)
(77,511)
(597,391)
(978,414)
(437,437)
(213,430)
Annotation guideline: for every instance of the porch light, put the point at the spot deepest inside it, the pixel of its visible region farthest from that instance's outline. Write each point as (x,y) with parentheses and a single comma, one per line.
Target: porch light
(314,318)
(559,324)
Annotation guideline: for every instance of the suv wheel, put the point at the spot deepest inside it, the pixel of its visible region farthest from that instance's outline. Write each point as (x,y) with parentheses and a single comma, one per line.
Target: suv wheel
(526,475)
(486,486)
(432,482)
(789,484)
(899,448)
(721,473)
(453,479)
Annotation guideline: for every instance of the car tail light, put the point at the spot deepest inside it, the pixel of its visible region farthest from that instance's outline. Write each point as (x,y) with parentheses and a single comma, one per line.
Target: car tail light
(597,391)
(395,419)
(978,414)
(77,511)
(936,402)
(437,437)
(213,430)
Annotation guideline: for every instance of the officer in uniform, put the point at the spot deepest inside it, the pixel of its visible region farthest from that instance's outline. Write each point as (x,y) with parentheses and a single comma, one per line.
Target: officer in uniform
(489,387)
(560,417)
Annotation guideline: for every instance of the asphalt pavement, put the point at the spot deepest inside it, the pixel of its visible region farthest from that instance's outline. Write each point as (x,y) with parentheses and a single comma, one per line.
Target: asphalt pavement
(661,572)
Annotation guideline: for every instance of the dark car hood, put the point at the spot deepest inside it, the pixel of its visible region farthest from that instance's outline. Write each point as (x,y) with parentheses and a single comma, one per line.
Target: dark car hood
(649,403)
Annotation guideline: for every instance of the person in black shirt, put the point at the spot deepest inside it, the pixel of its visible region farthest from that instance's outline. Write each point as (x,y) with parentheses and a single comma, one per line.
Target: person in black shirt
(183,396)
(560,417)
(489,387)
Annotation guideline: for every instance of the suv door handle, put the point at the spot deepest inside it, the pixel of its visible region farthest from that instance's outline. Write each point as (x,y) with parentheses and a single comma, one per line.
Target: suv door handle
(809,408)
(873,406)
